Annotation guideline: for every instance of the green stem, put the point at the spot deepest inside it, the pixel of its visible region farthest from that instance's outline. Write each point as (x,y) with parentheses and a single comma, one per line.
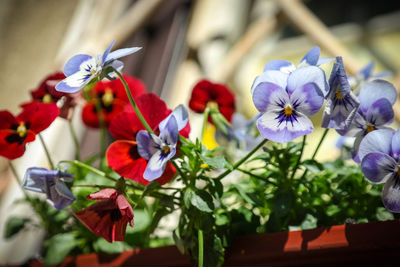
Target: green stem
(46,151)
(133,103)
(299,159)
(178,169)
(240,162)
(18,179)
(316,150)
(205,120)
(201,245)
(89,168)
(256,176)
(320,143)
(75,140)
(91,186)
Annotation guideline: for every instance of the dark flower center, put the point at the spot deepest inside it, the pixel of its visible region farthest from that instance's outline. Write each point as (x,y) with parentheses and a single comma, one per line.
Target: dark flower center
(20,133)
(115,215)
(133,153)
(369,128)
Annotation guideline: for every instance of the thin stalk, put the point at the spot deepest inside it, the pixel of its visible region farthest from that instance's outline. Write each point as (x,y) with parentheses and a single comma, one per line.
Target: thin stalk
(299,159)
(256,176)
(18,179)
(46,151)
(178,169)
(205,120)
(91,186)
(316,150)
(75,139)
(133,103)
(201,244)
(320,143)
(240,162)
(89,168)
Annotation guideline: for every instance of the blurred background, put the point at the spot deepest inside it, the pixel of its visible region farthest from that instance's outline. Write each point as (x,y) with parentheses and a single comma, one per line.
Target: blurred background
(226,41)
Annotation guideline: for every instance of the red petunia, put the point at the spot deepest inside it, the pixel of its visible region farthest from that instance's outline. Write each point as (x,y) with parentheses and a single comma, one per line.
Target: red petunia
(15,132)
(112,98)
(46,93)
(109,216)
(207,93)
(122,155)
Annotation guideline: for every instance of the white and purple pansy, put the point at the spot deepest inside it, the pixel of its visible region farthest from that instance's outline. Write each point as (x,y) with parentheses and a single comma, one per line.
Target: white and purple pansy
(380,163)
(342,103)
(51,183)
(82,69)
(375,112)
(286,101)
(158,150)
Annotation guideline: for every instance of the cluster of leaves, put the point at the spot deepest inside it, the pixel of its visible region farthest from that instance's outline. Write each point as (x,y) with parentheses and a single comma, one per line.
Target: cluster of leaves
(274,191)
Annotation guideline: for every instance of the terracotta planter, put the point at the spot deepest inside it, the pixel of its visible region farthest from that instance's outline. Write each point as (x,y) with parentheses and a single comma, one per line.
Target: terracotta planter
(376,243)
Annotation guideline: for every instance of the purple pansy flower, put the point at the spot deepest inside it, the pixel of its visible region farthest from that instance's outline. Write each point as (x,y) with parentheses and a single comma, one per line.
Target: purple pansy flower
(311,58)
(365,74)
(380,154)
(342,104)
(51,183)
(286,98)
(82,69)
(159,149)
(375,112)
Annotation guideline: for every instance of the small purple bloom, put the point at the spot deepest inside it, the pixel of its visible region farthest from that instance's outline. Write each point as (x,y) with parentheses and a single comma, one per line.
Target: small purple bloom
(365,75)
(342,104)
(380,155)
(82,69)
(375,112)
(159,149)
(51,183)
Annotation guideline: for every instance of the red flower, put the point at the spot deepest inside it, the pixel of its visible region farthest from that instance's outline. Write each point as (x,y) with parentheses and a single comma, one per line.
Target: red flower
(15,132)
(46,93)
(113,99)
(122,155)
(108,217)
(207,93)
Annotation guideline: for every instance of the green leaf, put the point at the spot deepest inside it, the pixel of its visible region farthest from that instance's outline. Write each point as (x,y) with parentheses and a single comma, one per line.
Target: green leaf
(187,197)
(14,225)
(313,166)
(309,222)
(58,248)
(202,200)
(383,214)
(218,162)
(332,210)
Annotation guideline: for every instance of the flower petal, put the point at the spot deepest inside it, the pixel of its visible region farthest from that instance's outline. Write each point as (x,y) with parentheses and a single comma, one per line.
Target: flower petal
(307,99)
(272,76)
(281,65)
(374,90)
(125,208)
(312,56)
(106,52)
(391,194)
(376,141)
(34,179)
(307,74)
(169,134)
(268,96)
(366,71)
(323,60)
(121,53)
(108,193)
(378,167)
(61,196)
(73,65)
(181,115)
(269,127)
(123,157)
(74,82)
(380,112)
(155,166)
(396,145)
(148,144)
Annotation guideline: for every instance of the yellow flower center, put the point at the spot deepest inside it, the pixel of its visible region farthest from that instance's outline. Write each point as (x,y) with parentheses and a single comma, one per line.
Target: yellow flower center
(47,98)
(212,104)
(108,97)
(21,130)
(204,165)
(288,111)
(165,149)
(339,94)
(398,170)
(369,128)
